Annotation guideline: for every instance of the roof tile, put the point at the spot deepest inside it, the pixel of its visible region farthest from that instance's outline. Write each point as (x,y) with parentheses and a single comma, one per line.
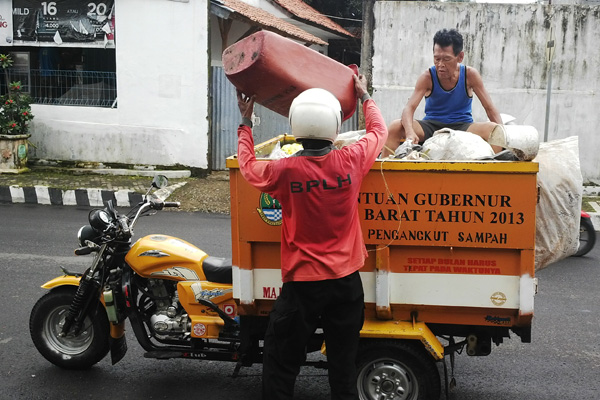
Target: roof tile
(307,13)
(268,20)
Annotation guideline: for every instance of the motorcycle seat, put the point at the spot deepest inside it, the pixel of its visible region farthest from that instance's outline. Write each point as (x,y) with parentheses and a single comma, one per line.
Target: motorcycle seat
(217,269)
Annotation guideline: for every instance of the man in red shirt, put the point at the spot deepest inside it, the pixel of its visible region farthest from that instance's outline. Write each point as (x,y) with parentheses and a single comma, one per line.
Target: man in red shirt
(322,246)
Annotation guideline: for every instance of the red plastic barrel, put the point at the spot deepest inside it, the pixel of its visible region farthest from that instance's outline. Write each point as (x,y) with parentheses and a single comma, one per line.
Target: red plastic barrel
(276,69)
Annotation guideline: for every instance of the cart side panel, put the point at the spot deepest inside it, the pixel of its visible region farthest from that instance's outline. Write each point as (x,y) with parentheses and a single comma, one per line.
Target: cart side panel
(448,242)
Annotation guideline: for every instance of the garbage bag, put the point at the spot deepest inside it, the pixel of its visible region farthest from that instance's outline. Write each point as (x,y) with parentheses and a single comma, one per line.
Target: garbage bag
(558,212)
(448,144)
(284,151)
(346,138)
(277,153)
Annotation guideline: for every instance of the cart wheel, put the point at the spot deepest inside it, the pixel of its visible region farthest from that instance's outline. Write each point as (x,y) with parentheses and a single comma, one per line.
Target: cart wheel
(587,237)
(396,370)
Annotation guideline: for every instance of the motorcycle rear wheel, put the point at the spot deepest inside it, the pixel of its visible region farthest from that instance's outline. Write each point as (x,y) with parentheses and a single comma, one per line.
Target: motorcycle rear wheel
(396,370)
(587,237)
(69,352)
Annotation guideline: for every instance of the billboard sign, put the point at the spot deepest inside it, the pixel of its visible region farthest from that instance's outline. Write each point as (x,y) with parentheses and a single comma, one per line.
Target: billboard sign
(63,21)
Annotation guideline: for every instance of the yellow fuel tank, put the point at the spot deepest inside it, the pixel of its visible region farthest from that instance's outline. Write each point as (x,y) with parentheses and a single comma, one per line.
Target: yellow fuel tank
(166,257)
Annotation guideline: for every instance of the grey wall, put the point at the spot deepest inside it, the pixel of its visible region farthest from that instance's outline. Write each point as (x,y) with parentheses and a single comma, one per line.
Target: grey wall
(507,44)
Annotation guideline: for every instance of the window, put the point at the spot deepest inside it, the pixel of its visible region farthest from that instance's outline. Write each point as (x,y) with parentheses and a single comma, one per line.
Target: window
(63,51)
(65,76)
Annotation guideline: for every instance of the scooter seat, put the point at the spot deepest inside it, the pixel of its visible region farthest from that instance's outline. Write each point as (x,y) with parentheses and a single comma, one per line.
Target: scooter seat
(217,269)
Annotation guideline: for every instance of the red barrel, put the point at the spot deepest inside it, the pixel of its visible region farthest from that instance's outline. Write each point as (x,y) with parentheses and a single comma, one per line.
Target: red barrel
(276,69)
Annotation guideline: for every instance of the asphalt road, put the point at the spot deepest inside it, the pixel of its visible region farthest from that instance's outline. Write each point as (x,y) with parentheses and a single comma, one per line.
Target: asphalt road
(562,362)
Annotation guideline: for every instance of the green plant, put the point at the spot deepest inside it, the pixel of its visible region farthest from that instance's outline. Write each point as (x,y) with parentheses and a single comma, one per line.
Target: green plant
(15,106)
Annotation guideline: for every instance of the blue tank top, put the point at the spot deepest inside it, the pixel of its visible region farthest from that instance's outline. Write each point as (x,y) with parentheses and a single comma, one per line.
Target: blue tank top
(452,105)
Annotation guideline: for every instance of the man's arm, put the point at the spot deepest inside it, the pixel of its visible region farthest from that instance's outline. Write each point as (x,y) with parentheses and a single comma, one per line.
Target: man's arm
(377,132)
(475,81)
(256,173)
(422,88)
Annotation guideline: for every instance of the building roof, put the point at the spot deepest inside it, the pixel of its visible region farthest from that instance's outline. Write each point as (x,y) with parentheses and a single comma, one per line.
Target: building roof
(309,15)
(257,16)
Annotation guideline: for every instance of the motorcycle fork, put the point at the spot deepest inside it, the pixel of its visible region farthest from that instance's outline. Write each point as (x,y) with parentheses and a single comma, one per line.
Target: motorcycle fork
(87,290)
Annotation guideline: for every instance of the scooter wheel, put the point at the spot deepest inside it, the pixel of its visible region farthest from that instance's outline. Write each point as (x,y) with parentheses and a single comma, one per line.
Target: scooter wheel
(396,369)
(587,237)
(69,352)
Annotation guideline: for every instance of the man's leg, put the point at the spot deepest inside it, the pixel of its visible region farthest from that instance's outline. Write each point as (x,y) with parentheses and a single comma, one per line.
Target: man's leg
(397,135)
(342,321)
(290,326)
(484,130)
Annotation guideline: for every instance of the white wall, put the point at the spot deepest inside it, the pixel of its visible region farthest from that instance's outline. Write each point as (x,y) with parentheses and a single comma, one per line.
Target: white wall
(506,43)
(162,87)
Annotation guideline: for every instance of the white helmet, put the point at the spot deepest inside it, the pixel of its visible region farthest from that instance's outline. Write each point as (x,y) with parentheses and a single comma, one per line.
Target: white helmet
(315,114)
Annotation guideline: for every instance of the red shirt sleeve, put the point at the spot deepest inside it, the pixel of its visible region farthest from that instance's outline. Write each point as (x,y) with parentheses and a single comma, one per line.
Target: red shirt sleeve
(258,174)
(370,145)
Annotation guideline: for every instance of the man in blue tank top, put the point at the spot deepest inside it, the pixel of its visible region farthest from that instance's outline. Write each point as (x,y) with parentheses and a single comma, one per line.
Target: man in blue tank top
(448,88)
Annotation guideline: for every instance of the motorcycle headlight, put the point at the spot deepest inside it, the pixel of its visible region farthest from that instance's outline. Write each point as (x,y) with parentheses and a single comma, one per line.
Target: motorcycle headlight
(100,220)
(86,232)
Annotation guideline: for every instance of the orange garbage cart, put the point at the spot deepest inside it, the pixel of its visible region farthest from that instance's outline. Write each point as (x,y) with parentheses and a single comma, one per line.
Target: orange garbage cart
(450,266)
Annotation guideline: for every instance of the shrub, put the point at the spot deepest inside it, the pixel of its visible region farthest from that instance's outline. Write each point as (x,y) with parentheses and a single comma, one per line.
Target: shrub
(15,106)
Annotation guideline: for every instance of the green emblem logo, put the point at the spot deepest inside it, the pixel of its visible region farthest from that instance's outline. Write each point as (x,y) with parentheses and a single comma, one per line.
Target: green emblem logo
(269,210)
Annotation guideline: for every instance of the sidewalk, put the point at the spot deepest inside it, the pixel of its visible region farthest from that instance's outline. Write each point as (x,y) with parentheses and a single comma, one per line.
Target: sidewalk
(59,186)
(593,191)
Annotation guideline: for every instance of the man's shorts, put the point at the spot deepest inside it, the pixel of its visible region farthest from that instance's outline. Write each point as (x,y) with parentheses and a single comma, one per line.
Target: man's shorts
(430,126)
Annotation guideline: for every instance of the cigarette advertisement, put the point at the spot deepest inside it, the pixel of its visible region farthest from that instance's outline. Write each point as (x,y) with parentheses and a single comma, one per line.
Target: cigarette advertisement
(66,21)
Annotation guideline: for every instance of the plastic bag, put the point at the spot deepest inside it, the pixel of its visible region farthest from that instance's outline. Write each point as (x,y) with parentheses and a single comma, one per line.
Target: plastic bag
(291,148)
(559,209)
(404,149)
(448,144)
(409,152)
(277,153)
(285,150)
(346,138)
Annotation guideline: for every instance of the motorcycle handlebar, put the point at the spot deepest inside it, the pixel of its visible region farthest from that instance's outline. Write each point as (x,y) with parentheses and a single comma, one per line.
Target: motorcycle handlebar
(151,204)
(82,251)
(159,204)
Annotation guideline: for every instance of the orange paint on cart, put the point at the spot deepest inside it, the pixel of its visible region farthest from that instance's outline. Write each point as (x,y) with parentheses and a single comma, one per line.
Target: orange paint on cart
(449,243)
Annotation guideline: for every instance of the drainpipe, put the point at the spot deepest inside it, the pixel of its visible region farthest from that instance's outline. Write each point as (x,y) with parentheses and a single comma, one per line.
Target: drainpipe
(550,45)
(366,53)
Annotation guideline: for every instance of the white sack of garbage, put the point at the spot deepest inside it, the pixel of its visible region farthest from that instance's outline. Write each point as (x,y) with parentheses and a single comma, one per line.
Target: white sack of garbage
(346,138)
(522,140)
(448,144)
(559,209)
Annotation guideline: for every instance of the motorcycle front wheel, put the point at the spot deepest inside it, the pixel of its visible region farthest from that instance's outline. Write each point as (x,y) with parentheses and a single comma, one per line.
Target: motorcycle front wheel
(587,237)
(70,352)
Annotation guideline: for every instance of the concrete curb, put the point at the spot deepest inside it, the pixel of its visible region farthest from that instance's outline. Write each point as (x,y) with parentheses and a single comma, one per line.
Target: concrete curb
(591,190)
(595,216)
(76,197)
(170,174)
